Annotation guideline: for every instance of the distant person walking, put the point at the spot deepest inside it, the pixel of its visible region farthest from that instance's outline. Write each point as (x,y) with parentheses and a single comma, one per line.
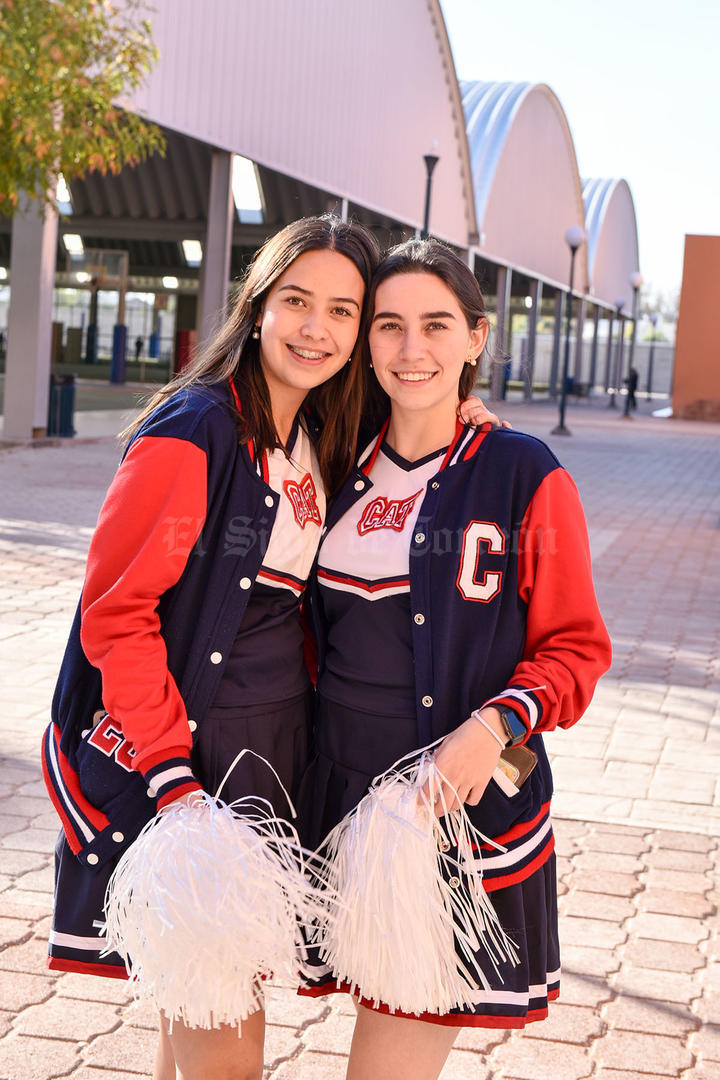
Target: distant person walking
(138,349)
(632,381)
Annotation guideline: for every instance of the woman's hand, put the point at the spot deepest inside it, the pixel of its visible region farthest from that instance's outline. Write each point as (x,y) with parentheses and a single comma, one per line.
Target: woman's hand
(190,798)
(467,759)
(473,411)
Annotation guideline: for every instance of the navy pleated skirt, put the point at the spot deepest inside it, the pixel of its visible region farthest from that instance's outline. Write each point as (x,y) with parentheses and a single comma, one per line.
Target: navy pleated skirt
(351,748)
(279,732)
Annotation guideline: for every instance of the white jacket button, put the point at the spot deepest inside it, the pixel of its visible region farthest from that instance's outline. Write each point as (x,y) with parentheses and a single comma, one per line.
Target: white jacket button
(245,582)
(435,485)
(420,618)
(93,859)
(118,837)
(192,724)
(269,501)
(216,658)
(427,701)
(359,485)
(420,538)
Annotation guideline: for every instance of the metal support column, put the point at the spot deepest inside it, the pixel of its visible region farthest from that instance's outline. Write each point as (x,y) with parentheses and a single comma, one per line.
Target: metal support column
(617,374)
(535,295)
(215,269)
(594,349)
(557,330)
(502,310)
(578,355)
(608,353)
(32,277)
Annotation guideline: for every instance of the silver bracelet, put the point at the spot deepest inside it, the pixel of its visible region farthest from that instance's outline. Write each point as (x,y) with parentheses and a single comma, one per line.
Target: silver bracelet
(475,715)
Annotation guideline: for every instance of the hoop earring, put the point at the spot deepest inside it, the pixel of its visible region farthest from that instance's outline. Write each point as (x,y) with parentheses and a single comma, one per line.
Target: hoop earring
(256,333)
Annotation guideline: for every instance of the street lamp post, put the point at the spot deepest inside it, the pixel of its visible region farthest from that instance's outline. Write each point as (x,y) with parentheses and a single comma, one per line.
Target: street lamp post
(619,305)
(431,161)
(574,237)
(654,321)
(636,281)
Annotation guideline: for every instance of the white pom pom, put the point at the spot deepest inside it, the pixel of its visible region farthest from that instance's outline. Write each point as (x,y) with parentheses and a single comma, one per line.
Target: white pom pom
(393,932)
(209,900)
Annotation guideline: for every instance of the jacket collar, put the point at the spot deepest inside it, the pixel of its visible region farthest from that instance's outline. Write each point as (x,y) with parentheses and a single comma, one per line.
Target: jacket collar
(466,443)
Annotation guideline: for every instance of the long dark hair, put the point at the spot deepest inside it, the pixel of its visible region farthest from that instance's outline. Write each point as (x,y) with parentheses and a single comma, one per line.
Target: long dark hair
(234,354)
(426,257)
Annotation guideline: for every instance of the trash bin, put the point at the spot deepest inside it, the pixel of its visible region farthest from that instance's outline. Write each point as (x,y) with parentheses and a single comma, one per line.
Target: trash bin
(61,406)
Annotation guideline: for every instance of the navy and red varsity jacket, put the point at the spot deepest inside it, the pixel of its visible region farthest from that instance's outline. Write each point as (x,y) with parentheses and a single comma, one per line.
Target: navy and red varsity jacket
(503,612)
(178,580)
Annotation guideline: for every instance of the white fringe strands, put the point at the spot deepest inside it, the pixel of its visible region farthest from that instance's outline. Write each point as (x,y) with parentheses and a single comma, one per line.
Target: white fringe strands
(208,901)
(404,916)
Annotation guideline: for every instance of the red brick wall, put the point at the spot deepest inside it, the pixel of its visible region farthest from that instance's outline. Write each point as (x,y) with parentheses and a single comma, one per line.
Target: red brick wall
(696,385)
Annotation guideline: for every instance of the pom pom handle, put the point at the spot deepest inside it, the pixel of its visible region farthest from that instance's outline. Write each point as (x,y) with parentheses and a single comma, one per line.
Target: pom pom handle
(238,758)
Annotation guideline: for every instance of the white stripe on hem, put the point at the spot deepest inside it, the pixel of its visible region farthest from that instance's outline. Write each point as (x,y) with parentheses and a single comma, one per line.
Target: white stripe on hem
(514,855)
(72,941)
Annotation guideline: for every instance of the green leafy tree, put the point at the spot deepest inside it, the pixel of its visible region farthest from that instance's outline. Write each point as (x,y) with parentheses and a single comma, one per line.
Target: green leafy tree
(65,67)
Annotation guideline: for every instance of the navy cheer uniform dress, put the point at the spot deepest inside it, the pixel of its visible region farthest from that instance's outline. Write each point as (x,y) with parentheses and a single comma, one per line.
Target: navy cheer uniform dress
(443,585)
(187,647)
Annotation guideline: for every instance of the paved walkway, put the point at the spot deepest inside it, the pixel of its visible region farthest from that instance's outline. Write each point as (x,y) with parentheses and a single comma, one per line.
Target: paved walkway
(637,805)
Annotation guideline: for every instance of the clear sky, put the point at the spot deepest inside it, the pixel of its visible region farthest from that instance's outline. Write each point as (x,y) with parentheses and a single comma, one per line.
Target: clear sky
(640,85)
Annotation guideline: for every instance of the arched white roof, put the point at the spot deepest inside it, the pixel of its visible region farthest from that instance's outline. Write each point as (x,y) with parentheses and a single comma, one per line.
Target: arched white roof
(346,97)
(525,176)
(612,240)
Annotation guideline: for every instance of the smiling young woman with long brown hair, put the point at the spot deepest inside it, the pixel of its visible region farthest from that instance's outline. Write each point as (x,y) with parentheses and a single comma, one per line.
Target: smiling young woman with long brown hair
(187,645)
(453,604)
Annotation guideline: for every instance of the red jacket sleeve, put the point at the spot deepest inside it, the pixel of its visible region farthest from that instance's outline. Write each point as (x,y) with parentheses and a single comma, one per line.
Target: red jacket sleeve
(151,518)
(567,647)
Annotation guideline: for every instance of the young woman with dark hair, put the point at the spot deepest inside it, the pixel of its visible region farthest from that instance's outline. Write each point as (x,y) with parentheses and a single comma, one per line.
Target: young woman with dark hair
(187,645)
(453,601)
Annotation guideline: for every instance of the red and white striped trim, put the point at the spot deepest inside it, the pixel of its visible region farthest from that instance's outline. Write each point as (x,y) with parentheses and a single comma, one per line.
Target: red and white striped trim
(508,859)
(369,590)
(81,821)
(514,696)
(460,443)
(278,580)
(367,458)
(168,776)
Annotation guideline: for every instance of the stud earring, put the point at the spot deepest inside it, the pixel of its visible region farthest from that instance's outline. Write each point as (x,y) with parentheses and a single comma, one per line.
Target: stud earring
(256,333)
(471,360)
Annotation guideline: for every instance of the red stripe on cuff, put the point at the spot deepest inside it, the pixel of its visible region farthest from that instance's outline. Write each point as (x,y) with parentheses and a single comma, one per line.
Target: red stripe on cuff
(177,792)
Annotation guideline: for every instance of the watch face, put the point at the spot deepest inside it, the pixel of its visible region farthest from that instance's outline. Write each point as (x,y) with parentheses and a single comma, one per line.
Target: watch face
(514,727)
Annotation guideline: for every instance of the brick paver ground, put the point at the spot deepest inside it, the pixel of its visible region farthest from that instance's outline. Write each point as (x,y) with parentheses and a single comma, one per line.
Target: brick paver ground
(637,804)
